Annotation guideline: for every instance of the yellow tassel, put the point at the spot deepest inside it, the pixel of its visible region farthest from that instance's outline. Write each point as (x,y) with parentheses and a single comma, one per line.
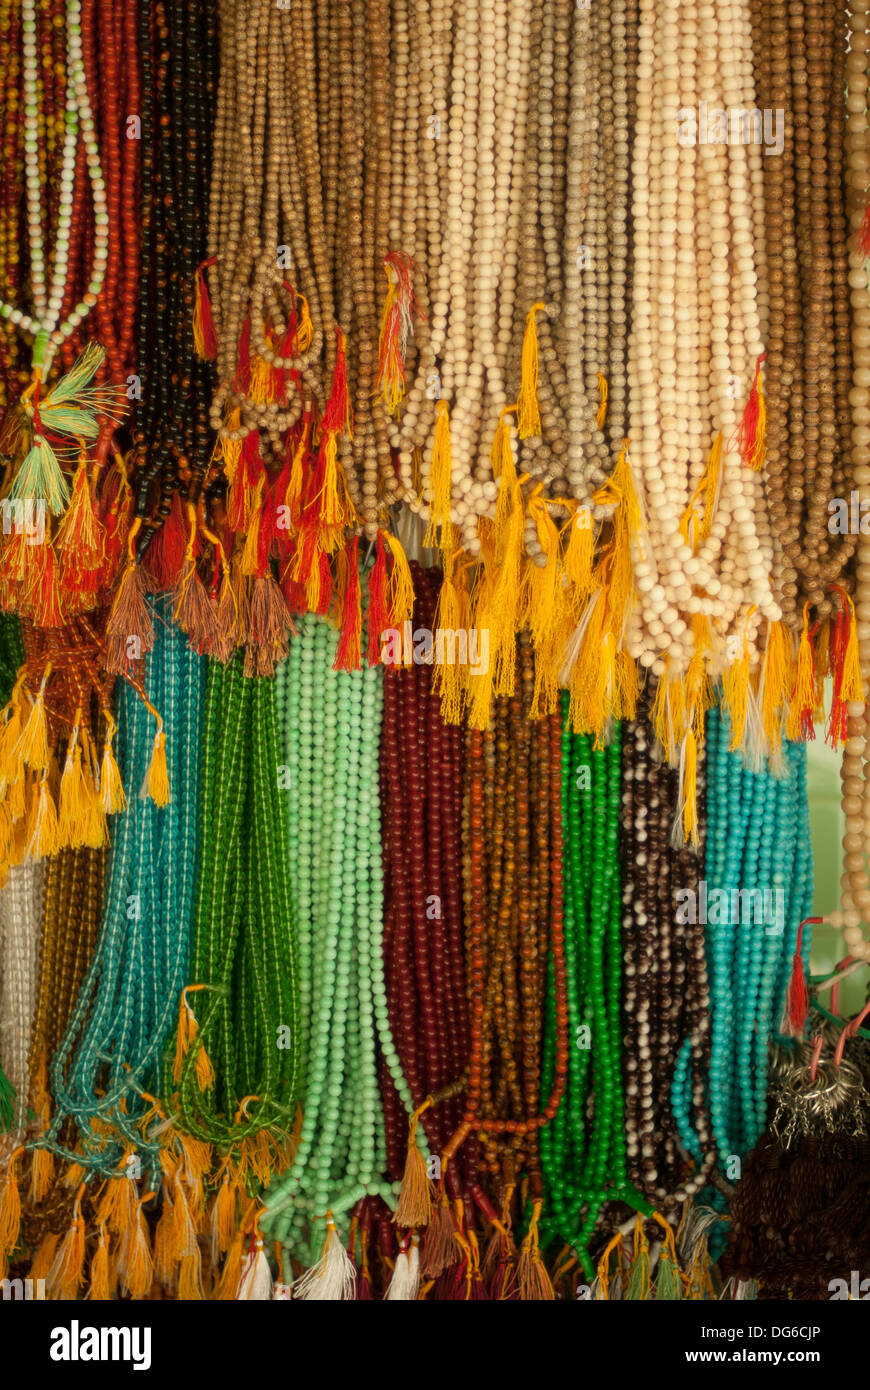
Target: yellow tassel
(503,615)
(440,530)
(95,830)
(294,486)
(774,677)
(43,841)
(625,702)
(689,792)
(579,552)
(336,508)
(157,777)
(710,484)
(662,722)
(249,563)
(263,386)
(799,724)
(34,737)
(544,609)
(501,455)
(601,413)
(72,811)
(698,687)
(448,680)
(414,1207)
(735,687)
(100,1290)
(528,413)
(112,796)
(401,592)
(231,449)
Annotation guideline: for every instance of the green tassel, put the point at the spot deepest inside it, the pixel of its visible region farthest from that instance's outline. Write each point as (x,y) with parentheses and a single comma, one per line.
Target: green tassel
(40,476)
(70,419)
(638,1279)
(669,1285)
(70,387)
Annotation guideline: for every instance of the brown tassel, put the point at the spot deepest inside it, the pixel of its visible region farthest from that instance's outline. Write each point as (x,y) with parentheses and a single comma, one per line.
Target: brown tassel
(532,1278)
(414,1207)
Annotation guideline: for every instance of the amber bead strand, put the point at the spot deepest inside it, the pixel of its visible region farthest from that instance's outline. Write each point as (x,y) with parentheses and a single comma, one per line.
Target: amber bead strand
(506,950)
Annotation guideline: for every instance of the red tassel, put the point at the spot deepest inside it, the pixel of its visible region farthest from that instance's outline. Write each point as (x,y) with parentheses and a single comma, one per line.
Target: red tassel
(347,655)
(752,426)
(165,554)
(204,336)
(338,415)
(45,594)
(797,1004)
(378,618)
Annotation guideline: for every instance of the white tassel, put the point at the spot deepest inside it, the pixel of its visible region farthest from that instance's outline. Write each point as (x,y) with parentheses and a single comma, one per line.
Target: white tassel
(333,1277)
(282,1292)
(256,1281)
(405,1283)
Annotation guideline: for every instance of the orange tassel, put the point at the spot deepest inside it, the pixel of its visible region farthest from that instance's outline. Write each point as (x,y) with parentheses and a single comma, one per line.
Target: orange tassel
(10,1207)
(188,1031)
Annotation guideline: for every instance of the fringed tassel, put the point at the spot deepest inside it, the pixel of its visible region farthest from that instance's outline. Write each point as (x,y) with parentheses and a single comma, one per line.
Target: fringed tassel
(333,1278)
(404,1286)
(187,1035)
(204,336)
(414,1207)
(528,413)
(754,422)
(533,1281)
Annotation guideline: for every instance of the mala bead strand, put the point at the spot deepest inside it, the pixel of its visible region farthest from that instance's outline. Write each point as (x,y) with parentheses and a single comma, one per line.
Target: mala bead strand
(342,1150)
(243,955)
(750,958)
(582,1162)
(152,868)
(21,907)
(511,892)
